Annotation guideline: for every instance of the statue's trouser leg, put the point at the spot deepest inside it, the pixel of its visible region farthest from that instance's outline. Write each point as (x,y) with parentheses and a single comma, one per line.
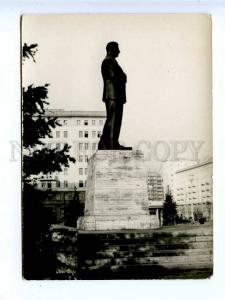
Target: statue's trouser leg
(111,130)
(117,121)
(107,133)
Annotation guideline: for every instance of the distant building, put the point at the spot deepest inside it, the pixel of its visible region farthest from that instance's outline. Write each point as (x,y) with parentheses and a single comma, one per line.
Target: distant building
(155,186)
(169,169)
(81,130)
(155,195)
(58,200)
(193,191)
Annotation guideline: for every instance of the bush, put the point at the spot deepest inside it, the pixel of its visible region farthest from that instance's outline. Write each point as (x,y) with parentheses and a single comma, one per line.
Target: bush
(202,220)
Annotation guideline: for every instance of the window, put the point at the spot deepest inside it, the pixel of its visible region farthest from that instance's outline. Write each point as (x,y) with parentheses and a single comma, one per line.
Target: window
(57,196)
(65,134)
(64,122)
(65,171)
(49,185)
(152,212)
(80,146)
(78,122)
(93,134)
(68,196)
(58,146)
(81,184)
(99,134)
(80,134)
(58,184)
(86,146)
(80,171)
(86,158)
(93,122)
(65,183)
(85,171)
(49,146)
(100,122)
(58,134)
(80,158)
(93,146)
(43,184)
(86,134)
(85,122)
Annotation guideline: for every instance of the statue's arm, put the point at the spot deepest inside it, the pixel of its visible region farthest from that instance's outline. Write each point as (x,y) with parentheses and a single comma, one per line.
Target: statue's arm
(109,75)
(109,71)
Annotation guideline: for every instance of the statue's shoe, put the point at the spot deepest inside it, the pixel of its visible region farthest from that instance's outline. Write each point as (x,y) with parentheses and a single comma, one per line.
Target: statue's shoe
(104,146)
(120,147)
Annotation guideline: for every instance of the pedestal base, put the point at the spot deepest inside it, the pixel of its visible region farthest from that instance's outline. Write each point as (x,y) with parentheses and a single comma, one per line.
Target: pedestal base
(114,222)
(117,195)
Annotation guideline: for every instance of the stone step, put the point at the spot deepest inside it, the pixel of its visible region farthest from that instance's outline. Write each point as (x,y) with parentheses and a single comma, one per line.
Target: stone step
(149,246)
(147,272)
(124,254)
(147,241)
(149,266)
(109,253)
(161,261)
(142,234)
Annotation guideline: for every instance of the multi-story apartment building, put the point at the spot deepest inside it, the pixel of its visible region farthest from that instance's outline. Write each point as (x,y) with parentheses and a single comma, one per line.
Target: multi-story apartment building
(81,130)
(193,191)
(155,186)
(155,195)
(169,169)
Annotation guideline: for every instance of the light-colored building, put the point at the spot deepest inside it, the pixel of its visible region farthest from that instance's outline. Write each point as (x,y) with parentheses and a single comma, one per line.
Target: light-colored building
(155,195)
(169,169)
(193,191)
(81,130)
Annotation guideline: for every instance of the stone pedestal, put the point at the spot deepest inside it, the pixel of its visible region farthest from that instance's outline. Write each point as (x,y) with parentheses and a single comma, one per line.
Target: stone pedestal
(117,196)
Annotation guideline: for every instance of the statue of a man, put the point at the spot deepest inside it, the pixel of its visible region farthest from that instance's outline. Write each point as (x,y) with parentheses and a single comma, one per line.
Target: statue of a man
(114,96)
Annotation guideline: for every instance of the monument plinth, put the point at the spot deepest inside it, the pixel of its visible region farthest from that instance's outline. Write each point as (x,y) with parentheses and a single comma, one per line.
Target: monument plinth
(117,196)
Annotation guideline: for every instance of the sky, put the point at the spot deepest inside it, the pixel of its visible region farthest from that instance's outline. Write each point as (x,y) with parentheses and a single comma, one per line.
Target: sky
(167,59)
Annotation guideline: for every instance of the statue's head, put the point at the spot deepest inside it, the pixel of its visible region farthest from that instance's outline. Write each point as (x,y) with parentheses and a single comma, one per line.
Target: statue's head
(112,49)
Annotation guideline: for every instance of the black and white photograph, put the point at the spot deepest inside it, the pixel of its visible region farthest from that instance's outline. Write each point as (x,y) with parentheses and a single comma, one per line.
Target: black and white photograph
(116,140)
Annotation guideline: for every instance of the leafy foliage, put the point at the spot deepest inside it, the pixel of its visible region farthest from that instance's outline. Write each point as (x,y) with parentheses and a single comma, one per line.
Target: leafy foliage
(44,160)
(29,51)
(169,210)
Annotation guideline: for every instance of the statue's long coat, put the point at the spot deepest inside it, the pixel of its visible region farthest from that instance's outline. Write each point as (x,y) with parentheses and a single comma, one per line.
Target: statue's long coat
(114,81)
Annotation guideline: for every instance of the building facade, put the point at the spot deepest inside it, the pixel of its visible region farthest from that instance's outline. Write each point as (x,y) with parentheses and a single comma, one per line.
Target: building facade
(81,130)
(155,195)
(169,169)
(193,191)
